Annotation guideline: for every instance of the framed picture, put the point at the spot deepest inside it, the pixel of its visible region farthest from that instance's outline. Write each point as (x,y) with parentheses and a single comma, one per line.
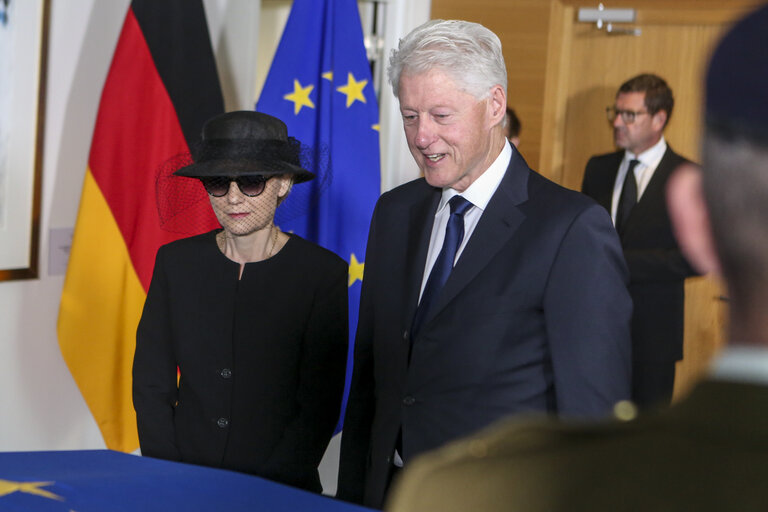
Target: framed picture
(23,57)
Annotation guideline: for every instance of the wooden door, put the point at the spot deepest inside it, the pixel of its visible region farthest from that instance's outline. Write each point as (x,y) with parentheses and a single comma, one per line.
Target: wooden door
(564,98)
(675,43)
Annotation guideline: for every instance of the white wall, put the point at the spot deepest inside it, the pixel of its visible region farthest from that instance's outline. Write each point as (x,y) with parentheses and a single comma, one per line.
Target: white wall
(234,26)
(41,407)
(397,165)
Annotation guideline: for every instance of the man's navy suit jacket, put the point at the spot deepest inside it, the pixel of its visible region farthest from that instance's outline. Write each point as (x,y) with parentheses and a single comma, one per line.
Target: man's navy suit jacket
(534,317)
(657,268)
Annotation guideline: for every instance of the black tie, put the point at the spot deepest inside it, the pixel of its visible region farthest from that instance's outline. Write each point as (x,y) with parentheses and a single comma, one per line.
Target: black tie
(454,234)
(628,197)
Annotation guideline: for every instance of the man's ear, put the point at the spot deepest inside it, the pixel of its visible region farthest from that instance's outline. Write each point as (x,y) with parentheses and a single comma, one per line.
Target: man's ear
(690,218)
(497,104)
(659,120)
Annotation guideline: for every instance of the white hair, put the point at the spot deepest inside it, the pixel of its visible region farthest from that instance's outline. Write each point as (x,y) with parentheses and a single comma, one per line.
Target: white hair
(467,52)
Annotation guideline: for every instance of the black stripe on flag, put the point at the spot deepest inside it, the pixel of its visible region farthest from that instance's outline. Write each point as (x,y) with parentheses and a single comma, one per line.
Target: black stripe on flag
(177,34)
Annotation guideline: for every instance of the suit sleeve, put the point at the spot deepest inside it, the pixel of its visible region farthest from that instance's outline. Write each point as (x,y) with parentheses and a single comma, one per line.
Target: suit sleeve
(656,265)
(154,371)
(358,420)
(588,310)
(321,380)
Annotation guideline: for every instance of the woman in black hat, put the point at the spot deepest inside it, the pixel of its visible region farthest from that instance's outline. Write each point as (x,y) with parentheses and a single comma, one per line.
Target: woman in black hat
(254,319)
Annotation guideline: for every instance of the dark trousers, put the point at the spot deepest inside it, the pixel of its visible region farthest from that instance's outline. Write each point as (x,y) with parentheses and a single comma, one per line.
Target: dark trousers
(652,383)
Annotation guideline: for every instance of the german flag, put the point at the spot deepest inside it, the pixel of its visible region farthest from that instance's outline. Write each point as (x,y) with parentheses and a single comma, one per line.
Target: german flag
(161,87)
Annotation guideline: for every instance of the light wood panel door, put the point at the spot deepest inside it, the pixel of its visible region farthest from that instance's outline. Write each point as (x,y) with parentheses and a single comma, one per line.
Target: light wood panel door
(674,43)
(562,100)
(597,64)
(523,26)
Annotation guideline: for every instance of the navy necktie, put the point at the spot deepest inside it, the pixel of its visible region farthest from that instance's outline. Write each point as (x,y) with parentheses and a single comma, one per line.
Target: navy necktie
(628,197)
(454,234)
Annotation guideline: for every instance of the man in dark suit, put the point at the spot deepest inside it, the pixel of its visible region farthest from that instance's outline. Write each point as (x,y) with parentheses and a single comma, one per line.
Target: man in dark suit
(488,289)
(630,184)
(708,452)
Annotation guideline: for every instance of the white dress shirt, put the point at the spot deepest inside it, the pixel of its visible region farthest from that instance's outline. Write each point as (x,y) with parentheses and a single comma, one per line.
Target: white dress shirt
(649,161)
(742,363)
(479,193)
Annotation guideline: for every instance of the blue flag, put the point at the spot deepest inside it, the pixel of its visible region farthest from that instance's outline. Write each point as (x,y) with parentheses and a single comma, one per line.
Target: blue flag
(320,85)
(71,480)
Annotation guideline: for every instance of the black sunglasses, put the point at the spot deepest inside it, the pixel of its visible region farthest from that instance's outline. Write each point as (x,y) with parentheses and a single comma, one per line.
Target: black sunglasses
(251,186)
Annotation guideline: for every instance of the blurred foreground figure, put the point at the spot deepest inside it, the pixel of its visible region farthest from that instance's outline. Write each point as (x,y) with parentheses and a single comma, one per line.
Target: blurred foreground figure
(710,451)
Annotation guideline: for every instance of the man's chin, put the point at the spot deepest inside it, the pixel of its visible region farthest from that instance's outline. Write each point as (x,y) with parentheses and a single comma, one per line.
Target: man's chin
(434,178)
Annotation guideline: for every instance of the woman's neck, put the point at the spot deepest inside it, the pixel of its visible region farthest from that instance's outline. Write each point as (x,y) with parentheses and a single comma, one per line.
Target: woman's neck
(257,246)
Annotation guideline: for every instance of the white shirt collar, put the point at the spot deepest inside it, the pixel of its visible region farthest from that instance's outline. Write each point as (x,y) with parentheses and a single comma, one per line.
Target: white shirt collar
(742,363)
(651,156)
(479,193)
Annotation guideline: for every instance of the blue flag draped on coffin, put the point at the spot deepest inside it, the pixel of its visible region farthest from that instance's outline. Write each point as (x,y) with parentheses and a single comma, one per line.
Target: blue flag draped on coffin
(320,85)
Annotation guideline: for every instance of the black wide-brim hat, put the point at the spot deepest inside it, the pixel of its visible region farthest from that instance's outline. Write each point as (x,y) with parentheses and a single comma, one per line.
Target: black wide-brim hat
(246,143)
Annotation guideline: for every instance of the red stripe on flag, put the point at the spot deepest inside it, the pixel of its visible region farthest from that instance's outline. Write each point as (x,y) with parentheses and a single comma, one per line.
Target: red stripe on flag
(137,129)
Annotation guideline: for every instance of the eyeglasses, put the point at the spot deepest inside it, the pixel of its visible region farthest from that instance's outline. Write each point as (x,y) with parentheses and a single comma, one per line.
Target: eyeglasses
(251,186)
(628,116)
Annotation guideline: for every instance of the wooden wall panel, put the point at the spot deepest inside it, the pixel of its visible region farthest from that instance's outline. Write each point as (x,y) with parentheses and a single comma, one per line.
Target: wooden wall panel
(523,27)
(562,75)
(692,8)
(601,62)
(677,48)
(706,319)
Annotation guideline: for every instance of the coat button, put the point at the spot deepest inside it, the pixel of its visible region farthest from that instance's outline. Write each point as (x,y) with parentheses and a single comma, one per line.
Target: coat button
(222,422)
(409,400)
(226,373)
(405,335)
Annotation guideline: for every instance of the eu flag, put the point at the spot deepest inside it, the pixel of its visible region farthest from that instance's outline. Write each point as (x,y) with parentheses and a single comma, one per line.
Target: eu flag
(320,85)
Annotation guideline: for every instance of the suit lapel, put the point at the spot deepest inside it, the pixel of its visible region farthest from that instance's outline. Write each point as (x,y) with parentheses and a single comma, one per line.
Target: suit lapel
(497,225)
(654,195)
(604,195)
(420,220)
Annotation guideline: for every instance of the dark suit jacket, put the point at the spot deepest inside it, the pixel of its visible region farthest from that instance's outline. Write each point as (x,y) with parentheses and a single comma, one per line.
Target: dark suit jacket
(261,358)
(708,452)
(534,317)
(657,269)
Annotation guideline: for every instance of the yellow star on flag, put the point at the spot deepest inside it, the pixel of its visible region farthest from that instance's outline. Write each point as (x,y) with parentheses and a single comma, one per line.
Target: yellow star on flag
(355,270)
(328,75)
(300,96)
(353,89)
(376,127)
(8,487)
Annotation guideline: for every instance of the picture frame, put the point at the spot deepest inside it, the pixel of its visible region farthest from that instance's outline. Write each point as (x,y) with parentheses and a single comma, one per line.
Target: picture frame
(24,26)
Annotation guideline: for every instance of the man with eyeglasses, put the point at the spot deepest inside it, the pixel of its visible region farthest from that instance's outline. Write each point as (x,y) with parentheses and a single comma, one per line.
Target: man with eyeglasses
(630,184)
